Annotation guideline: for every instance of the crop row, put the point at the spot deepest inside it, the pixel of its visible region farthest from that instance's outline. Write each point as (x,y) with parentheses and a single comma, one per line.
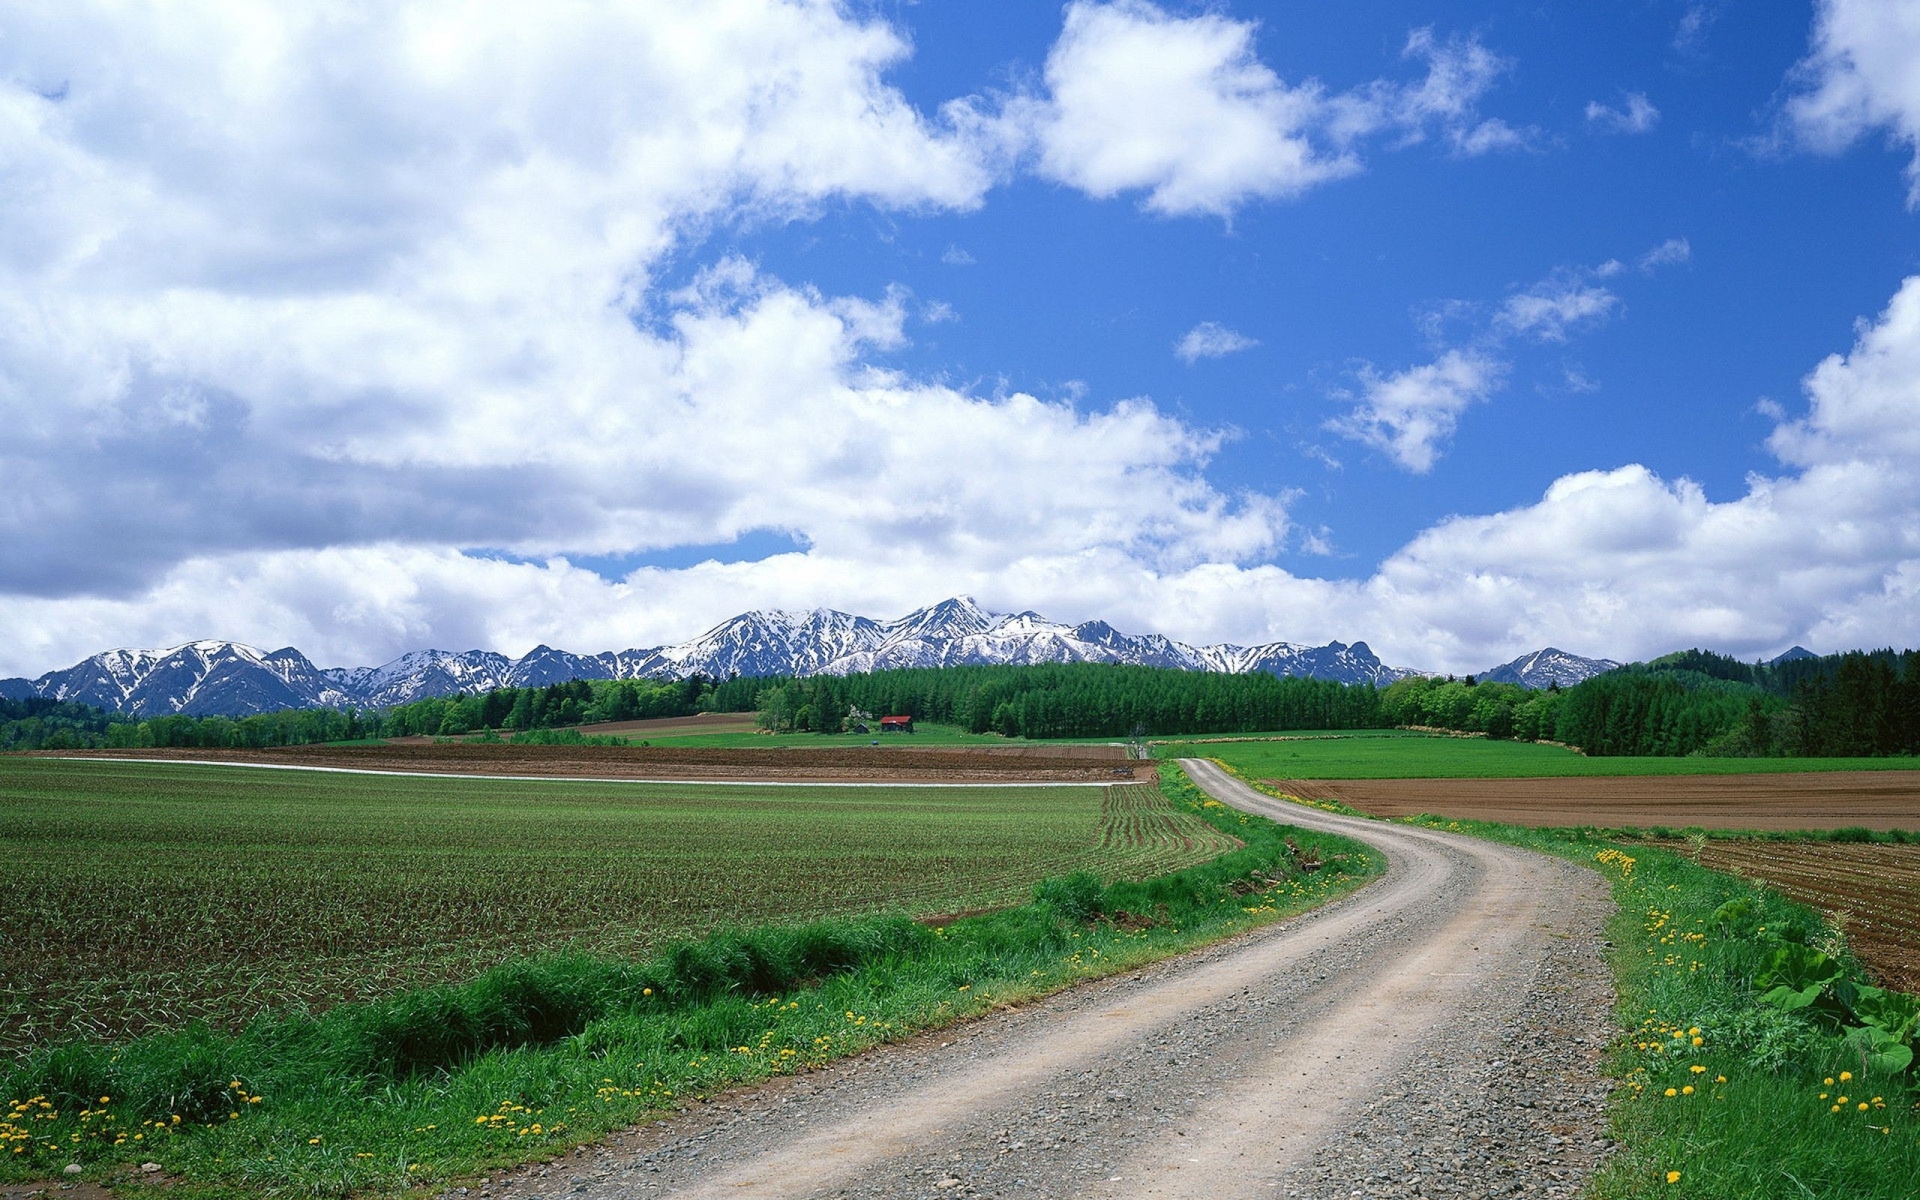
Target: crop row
(144,897)
(1870,892)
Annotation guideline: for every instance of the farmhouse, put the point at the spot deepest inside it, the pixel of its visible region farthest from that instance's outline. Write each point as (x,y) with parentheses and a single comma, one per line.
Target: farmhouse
(896,724)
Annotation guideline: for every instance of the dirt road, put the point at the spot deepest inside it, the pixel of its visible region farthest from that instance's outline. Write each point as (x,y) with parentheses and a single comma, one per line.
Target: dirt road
(1435,1034)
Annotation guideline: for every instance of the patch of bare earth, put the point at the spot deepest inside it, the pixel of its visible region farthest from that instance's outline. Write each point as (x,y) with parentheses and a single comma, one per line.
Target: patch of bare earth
(1806,800)
(1870,891)
(797,764)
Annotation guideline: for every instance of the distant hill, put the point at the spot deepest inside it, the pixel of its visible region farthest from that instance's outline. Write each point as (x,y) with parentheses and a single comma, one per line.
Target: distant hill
(210,678)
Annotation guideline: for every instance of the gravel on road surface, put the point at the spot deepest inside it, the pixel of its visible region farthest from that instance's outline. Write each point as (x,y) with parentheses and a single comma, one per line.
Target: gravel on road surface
(1437,1033)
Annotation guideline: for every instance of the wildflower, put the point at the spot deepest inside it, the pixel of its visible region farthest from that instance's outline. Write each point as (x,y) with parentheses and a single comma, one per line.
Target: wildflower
(1845,1075)
(1673,1177)
(1672,1092)
(1687,1090)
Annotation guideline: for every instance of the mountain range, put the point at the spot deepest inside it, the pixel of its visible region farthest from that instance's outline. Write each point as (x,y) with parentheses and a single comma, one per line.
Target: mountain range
(209,678)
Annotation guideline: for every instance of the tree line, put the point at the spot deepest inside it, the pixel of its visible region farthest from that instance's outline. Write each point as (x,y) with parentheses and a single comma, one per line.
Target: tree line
(1059,700)
(1856,704)
(40,724)
(1862,703)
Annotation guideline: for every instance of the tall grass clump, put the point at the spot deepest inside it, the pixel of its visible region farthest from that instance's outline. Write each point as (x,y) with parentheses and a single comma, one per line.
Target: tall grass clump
(1753,1063)
(540,1054)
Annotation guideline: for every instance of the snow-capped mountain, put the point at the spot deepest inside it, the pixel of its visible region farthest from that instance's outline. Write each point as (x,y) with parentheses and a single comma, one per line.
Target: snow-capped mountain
(204,678)
(197,679)
(423,673)
(1543,668)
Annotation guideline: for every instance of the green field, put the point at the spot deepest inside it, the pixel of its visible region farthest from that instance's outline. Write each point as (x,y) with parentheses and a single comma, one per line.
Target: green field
(430,1087)
(1401,754)
(143,896)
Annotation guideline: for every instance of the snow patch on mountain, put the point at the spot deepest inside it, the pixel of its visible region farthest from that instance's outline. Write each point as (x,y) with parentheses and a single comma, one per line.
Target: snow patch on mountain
(1544,668)
(230,678)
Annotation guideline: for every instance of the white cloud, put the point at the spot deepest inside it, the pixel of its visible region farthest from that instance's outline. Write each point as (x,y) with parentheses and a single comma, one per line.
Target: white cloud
(1460,72)
(1636,115)
(1862,74)
(1691,30)
(1551,308)
(1632,565)
(1408,414)
(1617,562)
(1182,108)
(1668,253)
(382,287)
(1211,340)
(295,304)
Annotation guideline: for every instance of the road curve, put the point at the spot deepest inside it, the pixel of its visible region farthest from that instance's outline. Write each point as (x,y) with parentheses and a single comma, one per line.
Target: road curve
(1436,1033)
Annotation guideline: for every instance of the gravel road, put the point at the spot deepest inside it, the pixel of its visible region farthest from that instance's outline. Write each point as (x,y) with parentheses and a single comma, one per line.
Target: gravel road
(1435,1034)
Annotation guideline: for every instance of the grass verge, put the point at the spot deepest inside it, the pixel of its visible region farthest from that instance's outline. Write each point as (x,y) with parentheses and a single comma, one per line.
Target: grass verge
(536,1056)
(1721,1095)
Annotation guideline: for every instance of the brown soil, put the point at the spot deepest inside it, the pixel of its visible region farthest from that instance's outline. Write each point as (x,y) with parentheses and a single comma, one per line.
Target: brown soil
(1809,800)
(681,726)
(1873,892)
(867,764)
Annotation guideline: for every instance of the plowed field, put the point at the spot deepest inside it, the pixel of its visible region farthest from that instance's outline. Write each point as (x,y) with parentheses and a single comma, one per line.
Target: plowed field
(1066,764)
(1824,800)
(1874,891)
(142,896)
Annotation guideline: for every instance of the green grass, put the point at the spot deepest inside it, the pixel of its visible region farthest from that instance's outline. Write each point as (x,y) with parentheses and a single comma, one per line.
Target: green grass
(1400,754)
(1756,1125)
(434,1086)
(143,896)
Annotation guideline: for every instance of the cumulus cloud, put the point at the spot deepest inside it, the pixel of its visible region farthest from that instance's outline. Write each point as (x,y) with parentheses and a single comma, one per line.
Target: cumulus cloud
(1618,562)
(1635,115)
(1827,553)
(1409,414)
(1178,107)
(383,288)
(1862,74)
(295,306)
(1182,108)
(1209,339)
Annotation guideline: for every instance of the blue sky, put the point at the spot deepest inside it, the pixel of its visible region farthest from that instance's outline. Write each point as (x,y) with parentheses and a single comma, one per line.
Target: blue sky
(1075,299)
(1459,329)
